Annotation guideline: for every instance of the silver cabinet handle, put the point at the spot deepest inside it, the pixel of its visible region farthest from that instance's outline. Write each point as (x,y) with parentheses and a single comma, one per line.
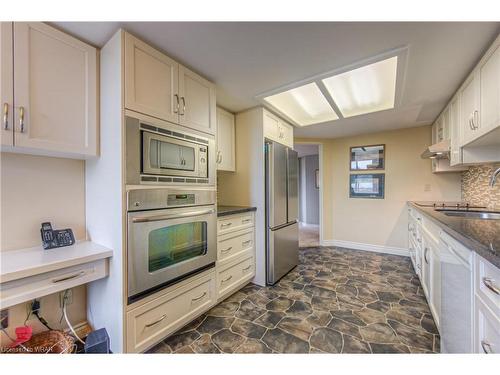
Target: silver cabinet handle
(246,242)
(226,225)
(217,160)
(490,284)
(183,106)
(246,269)
(470,123)
(229,278)
(177,106)
(146,219)
(6,116)
(246,221)
(200,297)
(475,115)
(227,250)
(21,118)
(486,347)
(156,321)
(425,255)
(64,278)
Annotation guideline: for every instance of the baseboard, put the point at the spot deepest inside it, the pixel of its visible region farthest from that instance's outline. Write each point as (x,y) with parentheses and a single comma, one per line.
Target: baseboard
(367,247)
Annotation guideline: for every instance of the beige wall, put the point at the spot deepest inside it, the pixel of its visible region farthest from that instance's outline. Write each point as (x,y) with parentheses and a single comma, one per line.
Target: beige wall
(36,189)
(408,177)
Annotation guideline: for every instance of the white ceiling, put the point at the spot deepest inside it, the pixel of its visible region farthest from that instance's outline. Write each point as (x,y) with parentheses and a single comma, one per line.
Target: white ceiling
(305,149)
(248,59)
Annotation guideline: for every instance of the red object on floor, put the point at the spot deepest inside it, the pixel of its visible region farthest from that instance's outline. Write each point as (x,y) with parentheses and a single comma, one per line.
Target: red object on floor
(23,334)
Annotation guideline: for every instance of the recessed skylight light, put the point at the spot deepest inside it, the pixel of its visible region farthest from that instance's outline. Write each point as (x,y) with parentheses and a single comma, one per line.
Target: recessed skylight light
(305,105)
(370,88)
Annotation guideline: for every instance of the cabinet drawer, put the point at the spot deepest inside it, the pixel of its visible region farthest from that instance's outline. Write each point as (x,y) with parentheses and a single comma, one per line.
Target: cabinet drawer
(232,245)
(25,289)
(156,319)
(487,330)
(487,283)
(234,223)
(234,274)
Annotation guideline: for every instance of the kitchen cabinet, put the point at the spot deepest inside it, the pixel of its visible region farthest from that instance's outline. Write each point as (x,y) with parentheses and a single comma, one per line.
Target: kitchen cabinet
(6,83)
(455,132)
(53,108)
(225,141)
(235,252)
(489,73)
(158,86)
(469,108)
(277,129)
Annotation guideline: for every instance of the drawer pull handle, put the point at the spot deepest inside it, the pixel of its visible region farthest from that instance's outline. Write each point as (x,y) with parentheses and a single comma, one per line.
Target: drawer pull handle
(6,116)
(156,321)
(486,347)
(200,297)
(226,250)
(425,255)
(490,284)
(226,225)
(246,221)
(229,278)
(246,242)
(246,269)
(64,278)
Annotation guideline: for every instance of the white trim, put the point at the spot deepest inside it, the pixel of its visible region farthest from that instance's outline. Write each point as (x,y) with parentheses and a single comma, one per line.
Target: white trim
(367,247)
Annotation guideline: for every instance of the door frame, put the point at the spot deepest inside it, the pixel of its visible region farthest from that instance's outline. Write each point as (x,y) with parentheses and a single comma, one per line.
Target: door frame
(321,184)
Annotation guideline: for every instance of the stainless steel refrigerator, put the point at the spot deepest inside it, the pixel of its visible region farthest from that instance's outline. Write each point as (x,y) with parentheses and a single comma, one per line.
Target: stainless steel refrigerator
(282,206)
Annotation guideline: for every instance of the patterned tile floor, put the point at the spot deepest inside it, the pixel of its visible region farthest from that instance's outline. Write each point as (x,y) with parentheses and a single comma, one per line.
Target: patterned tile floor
(335,301)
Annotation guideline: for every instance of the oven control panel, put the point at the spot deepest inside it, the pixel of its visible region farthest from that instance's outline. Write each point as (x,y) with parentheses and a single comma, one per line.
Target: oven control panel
(180,199)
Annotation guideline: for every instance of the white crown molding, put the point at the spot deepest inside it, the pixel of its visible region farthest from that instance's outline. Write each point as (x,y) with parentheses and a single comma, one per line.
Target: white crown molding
(367,247)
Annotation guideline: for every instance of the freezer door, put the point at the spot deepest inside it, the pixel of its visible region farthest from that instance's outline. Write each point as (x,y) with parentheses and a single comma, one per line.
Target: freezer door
(276,169)
(282,252)
(293,186)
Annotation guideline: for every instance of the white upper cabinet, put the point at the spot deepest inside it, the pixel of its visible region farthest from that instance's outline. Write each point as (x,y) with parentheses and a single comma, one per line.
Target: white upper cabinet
(489,72)
(151,81)
(277,129)
(197,101)
(54,109)
(455,131)
(6,83)
(158,86)
(469,108)
(225,141)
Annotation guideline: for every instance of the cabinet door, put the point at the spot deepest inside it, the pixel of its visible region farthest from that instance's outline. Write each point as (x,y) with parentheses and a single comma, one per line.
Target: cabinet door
(435,286)
(55,91)
(6,83)
(197,101)
(455,137)
(287,131)
(225,141)
(151,81)
(469,108)
(271,126)
(426,269)
(486,330)
(490,92)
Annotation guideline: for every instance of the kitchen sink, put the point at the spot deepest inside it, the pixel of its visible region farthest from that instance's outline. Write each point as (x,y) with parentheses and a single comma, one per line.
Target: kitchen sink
(485,215)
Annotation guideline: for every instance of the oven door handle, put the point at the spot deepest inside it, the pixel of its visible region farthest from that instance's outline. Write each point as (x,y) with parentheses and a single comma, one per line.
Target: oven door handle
(145,219)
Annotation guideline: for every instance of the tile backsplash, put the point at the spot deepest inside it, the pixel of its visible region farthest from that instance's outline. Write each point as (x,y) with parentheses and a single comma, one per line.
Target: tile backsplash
(476,189)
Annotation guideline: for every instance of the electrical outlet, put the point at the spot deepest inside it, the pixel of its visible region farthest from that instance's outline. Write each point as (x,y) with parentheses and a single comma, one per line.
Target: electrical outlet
(4,318)
(68,294)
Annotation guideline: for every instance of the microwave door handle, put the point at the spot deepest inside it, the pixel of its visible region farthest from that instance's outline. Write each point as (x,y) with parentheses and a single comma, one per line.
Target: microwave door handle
(145,219)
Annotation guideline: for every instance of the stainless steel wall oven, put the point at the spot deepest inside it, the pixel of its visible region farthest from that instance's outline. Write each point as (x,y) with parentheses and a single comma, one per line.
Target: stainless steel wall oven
(171,235)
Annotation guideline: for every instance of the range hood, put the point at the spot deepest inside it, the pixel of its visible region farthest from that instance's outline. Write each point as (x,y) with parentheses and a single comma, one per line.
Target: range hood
(439,150)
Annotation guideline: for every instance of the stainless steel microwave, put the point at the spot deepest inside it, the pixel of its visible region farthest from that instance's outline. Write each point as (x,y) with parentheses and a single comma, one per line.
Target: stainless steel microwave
(157,153)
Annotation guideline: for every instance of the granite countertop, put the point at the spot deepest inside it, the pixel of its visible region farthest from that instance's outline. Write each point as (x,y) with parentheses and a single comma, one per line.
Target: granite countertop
(479,235)
(232,210)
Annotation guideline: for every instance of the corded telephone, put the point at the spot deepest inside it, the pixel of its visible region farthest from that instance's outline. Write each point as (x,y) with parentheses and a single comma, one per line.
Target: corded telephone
(52,238)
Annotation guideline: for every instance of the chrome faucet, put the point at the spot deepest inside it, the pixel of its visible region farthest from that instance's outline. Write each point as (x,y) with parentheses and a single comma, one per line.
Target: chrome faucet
(493,178)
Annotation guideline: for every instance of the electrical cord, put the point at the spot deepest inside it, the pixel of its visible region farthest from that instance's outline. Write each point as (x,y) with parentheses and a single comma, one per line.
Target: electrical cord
(42,320)
(67,320)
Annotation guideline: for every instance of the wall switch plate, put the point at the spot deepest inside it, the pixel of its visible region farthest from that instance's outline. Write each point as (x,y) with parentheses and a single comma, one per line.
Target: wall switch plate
(69,297)
(4,318)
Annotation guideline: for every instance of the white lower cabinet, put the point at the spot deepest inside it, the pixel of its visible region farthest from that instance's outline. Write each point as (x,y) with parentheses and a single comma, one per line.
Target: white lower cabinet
(234,275)
(154,320)
(487,329)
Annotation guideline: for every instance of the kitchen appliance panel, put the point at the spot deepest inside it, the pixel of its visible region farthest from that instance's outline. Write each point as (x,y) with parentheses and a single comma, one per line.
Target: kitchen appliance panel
(293,185)
(276,172)
(282,251)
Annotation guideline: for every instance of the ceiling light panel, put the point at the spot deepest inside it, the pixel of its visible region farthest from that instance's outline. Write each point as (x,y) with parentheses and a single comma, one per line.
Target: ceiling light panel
(305,105)
(370,88)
